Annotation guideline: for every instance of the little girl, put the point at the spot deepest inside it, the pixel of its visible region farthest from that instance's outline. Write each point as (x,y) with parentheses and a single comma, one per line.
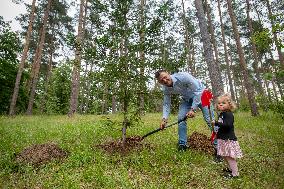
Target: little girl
(228,147)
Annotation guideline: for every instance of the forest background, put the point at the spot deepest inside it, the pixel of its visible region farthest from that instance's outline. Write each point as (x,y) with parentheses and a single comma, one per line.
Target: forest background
(102,58)
(94,60)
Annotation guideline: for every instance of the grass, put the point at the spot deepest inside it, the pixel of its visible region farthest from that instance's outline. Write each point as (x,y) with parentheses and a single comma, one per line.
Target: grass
(261,139)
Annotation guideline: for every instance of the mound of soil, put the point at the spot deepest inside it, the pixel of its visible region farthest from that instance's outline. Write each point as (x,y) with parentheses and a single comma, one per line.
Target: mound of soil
(200,142)
(40,154)
(132,143)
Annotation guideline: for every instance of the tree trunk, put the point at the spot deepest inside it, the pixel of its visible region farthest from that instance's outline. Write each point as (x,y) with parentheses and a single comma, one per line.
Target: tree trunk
(226,53)
(142,54)
(84,86)
(105,98)
(214,73)
(248,85)
(187,43)
(212,33)
(22,63)
(33,66)
(278,47)
(279,88)
(125,100)
(77,64)
(274,89)
(48,76)
(255,55)
(192,57)
(113,104)
(38,59)
(88,88)
(234,79)
(268,90)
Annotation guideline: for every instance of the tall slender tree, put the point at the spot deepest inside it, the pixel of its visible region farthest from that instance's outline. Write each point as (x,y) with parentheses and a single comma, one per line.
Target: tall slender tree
(187,40)
(77,63)
(23,59)
(253,46)
(247,80)
(278,46)
(37,60)
(142,53)
(212,32)
(214,73)
(226,53)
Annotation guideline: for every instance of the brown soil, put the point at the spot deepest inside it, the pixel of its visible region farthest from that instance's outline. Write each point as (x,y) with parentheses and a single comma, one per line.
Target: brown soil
(40,154)
(196,141)
(131,144)
(200,142)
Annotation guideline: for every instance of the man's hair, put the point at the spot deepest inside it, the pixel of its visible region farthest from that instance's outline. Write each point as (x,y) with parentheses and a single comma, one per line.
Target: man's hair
(157,74)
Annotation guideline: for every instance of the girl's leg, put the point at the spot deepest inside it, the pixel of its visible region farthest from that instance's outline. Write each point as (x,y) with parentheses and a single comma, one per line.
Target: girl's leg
(233,165)
(226,162)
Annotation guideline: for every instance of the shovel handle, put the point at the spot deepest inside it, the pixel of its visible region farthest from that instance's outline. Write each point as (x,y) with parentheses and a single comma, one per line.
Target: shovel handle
(157,130)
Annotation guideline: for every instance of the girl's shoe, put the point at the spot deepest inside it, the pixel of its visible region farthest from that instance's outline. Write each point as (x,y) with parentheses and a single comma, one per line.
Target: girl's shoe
(226,170)
(218,159)
(230,176)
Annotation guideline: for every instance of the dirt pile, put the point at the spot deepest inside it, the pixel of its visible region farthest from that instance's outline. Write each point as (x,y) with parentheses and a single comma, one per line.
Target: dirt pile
(40,154)
(132,143)
(200,142)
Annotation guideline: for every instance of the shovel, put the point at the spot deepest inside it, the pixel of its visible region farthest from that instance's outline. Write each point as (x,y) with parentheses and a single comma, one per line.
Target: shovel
(159,129)
(206,99)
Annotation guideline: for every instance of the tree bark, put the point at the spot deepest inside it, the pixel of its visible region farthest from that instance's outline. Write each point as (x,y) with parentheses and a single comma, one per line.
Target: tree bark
(77,64)
(84,86)
(255,55)
(226,53)
(38,59)
(212,33)
(105,98)
(88,88)
(187,43)
(247,82)
(113,104)
(48,76)
(142,54)
(22,63)
(214,73)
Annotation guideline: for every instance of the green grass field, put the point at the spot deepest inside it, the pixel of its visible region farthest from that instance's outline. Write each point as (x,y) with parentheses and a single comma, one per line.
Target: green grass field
(161,166)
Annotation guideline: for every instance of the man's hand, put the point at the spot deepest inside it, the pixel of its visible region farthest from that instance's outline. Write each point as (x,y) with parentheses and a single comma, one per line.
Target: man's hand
(190,114)
(163,123)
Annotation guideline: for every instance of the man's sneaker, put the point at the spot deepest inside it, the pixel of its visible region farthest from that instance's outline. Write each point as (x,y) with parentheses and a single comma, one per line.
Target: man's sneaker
(218,159)
(182,148)
(230,176)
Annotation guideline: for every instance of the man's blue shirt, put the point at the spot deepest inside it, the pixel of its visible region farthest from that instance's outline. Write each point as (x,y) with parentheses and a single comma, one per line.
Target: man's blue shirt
(185,85)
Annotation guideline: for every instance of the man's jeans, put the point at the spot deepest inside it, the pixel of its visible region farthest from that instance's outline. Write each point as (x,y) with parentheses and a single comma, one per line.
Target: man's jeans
(184,107)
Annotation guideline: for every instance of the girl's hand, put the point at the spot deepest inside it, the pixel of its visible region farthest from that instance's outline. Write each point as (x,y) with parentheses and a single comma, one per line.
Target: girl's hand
(216,128)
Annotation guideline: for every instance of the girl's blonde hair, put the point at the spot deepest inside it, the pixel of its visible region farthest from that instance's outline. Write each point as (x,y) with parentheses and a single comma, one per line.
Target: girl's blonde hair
(228,97)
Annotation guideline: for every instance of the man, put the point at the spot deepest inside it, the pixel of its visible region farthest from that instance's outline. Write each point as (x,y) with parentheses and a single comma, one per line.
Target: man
(190,89)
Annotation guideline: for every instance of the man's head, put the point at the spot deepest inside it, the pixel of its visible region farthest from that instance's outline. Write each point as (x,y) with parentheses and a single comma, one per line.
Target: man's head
(164,78)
